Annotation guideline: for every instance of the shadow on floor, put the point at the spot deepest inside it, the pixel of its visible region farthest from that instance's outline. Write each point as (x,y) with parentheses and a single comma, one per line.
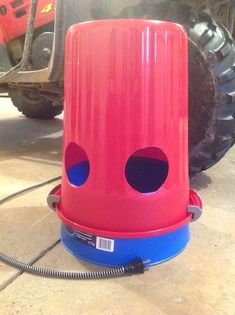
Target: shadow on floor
(200,181)
(21,137)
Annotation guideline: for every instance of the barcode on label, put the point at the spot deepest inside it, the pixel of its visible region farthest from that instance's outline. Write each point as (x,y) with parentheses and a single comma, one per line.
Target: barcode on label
(105,244)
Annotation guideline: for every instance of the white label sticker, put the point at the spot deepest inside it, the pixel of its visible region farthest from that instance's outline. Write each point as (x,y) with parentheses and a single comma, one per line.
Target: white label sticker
(105,244)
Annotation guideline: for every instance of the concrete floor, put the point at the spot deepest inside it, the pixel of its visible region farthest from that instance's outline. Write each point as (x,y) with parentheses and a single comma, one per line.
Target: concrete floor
(200,281)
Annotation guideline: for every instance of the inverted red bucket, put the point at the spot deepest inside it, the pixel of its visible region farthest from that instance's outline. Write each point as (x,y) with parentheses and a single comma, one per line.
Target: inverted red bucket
(125,187)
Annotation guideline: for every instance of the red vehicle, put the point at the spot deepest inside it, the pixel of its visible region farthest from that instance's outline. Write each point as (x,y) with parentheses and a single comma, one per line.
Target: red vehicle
(31,61)
(14,15)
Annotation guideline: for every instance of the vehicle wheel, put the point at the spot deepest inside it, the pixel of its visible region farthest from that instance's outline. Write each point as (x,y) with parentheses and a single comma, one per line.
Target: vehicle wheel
(211,79)
(33,105)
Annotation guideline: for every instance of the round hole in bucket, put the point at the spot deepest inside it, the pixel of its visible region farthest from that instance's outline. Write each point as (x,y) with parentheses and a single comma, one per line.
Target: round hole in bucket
(147,170)
(77,165)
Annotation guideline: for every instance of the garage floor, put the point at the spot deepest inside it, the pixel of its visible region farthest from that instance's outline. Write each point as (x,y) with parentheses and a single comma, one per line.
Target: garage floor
(200,281)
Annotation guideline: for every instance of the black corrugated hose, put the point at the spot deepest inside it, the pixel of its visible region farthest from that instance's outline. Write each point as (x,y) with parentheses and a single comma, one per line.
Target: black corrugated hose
(135,267)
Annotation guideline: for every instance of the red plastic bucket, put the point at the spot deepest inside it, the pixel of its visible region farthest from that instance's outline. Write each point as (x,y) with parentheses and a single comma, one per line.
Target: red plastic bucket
(125,157)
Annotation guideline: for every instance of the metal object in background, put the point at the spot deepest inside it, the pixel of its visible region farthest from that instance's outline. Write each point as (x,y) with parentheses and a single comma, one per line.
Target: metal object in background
(42,50)
(27,45)
(222,10)
(231,16)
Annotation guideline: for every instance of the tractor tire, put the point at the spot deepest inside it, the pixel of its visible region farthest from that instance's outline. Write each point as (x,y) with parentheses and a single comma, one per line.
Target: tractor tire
(34,106)
(211,79)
